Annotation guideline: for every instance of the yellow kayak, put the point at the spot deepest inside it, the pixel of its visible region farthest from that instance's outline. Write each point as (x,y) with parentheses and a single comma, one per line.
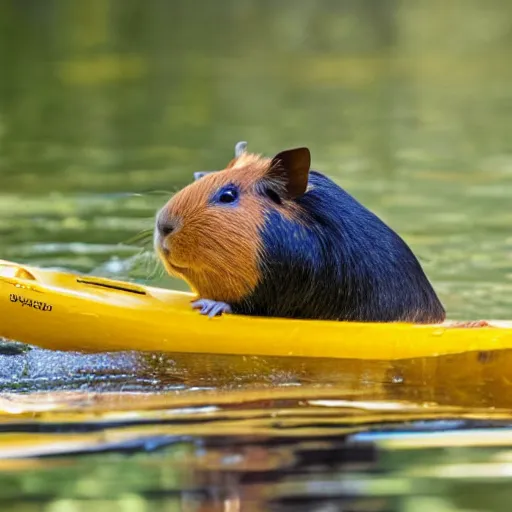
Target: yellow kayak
(64,311)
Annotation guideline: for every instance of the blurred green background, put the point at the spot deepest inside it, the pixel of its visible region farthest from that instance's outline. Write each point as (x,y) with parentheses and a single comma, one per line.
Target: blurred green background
(105,104)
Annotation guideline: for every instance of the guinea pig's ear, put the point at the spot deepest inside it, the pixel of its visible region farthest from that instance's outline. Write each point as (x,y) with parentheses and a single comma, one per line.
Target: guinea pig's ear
(199,174)
(292,167)
(240,149)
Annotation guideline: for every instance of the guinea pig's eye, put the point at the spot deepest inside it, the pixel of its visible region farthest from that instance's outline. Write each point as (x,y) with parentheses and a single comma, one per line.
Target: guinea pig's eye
(227,195)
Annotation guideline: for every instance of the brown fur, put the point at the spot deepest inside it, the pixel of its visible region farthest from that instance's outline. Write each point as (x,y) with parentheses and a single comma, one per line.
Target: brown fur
(216,249)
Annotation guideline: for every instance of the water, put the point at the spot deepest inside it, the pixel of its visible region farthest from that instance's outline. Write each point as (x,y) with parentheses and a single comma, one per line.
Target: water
(107,107)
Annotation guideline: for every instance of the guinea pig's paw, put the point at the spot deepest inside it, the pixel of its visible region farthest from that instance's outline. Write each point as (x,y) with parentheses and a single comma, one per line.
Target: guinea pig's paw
(211,307)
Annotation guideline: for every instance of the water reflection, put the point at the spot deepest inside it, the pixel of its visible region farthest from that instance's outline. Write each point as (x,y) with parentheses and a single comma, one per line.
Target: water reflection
(232,433)
(270,450)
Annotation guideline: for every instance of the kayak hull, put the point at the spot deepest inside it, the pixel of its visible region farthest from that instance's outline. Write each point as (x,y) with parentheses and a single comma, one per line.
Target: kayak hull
(63,311)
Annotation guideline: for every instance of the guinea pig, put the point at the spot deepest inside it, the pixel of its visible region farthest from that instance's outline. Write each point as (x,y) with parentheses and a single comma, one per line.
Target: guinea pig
(270,237)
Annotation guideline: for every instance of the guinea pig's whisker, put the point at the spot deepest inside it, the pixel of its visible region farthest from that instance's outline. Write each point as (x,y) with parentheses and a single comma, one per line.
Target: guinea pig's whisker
(155,193)
(152,265)
(146,262)
(142,238)
(156,271)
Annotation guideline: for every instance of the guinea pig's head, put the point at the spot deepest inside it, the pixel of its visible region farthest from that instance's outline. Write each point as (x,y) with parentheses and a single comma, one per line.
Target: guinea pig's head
(209,232)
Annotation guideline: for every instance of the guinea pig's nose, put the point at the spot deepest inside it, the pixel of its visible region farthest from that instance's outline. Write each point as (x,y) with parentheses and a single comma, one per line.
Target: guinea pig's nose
(166,228)
(166,224)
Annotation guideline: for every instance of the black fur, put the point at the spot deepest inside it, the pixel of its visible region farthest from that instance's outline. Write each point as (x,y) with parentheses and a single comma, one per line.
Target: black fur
(340,262)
